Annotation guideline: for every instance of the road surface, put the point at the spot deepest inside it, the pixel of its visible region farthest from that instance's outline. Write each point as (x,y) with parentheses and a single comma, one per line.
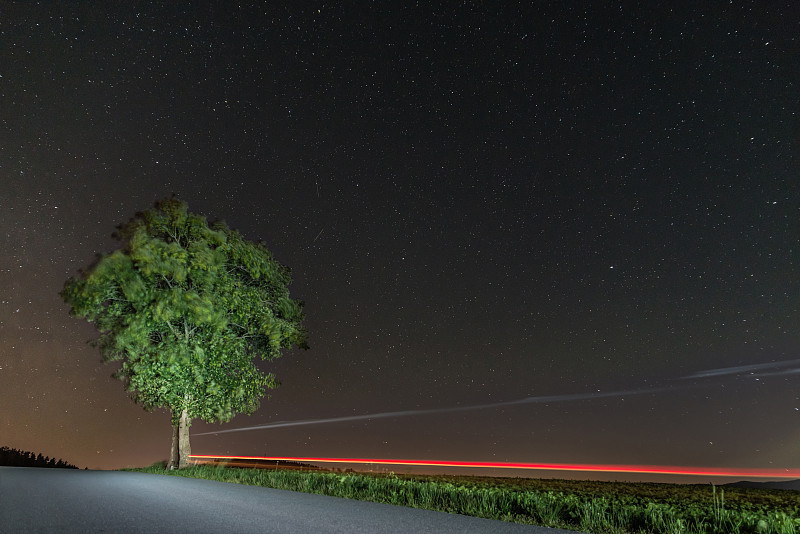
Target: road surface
(69,500)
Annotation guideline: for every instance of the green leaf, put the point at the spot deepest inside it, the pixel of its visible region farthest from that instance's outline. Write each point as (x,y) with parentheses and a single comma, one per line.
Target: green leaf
(187,307)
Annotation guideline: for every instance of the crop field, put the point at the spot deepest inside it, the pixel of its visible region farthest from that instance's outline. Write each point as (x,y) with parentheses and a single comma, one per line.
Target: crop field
(586,506)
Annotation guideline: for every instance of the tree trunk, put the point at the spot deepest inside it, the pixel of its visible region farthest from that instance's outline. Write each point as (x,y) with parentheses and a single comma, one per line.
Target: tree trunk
(181,449)
(173,450)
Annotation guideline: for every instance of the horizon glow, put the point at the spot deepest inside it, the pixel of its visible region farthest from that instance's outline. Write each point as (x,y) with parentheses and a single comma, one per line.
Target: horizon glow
(649,469)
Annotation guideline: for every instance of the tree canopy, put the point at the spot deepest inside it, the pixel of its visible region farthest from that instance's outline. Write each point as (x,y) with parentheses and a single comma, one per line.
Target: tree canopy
(186,307)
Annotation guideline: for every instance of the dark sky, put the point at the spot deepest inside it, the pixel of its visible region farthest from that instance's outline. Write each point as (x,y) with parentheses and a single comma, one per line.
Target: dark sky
(480,204)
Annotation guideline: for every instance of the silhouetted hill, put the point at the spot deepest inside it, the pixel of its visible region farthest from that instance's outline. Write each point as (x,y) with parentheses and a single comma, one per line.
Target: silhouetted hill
(17,458)
(784,484)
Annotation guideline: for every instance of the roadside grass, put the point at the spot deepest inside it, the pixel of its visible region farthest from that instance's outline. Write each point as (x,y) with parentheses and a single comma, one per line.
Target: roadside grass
(587,506)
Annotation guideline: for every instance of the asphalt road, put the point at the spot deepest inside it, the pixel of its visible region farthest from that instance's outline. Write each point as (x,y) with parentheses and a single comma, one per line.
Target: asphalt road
(65,500)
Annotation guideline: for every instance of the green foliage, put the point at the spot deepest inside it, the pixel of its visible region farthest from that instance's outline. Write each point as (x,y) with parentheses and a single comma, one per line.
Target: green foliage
(186,307)
(600,508)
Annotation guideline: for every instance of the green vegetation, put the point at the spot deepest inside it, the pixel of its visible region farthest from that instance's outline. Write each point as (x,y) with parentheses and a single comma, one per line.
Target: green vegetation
(186,307)
(596,507)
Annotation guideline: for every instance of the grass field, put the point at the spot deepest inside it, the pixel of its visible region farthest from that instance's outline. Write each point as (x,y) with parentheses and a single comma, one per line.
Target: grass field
(587,506)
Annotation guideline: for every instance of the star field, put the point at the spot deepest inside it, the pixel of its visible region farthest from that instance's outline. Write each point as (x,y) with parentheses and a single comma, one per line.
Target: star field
(479,204)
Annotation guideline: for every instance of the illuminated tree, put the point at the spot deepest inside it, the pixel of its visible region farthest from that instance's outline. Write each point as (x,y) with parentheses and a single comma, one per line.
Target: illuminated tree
(187,308)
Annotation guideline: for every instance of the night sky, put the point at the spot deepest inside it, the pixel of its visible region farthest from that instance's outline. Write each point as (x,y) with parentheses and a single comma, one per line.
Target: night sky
(480,204)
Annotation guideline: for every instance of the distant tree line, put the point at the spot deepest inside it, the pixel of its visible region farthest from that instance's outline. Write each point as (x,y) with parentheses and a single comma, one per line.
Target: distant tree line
(17,458)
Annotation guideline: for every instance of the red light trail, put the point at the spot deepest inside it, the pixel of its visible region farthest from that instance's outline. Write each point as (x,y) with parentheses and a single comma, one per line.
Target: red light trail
(650,469)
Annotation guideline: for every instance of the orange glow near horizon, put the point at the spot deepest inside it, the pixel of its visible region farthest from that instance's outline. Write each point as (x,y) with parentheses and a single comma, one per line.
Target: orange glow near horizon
(650,469)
